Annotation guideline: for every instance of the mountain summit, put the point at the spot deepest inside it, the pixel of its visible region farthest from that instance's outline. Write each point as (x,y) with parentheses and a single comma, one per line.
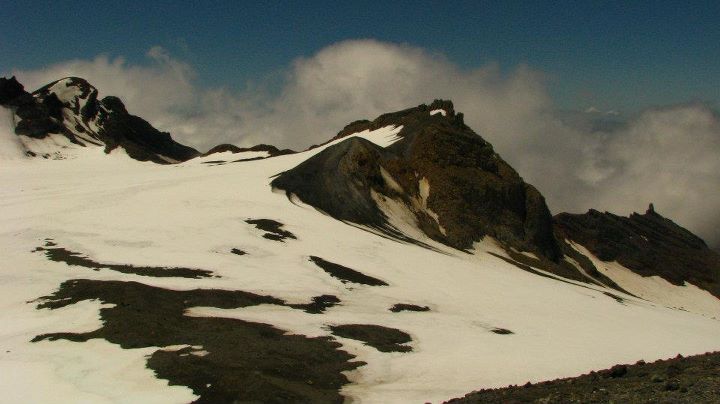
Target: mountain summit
(439,176)
(66,116)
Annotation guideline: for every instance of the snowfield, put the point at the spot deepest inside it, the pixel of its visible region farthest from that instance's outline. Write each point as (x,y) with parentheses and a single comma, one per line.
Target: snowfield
(116,210)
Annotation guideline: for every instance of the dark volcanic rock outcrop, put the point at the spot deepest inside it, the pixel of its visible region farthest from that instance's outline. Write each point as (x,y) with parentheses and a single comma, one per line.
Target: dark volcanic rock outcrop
(384,339)
(224,360)
(691,380)
(37,118)
(70,107)
(448,177)
(648,244)
(140,139)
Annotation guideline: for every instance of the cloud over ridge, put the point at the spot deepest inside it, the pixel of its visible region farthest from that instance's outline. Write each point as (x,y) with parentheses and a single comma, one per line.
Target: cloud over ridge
(668,155)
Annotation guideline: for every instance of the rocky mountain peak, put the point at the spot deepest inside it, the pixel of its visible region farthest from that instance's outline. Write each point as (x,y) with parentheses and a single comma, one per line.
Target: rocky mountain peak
(12,93)
(411,117)
(648,244)
(70,108)
(443,175)
(650,209)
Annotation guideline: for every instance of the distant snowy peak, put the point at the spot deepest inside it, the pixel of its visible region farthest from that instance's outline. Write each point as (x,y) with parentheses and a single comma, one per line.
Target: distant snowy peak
(74,93)
(65,119)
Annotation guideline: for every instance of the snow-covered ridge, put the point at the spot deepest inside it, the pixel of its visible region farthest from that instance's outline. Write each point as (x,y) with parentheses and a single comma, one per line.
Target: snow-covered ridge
(65,120)
(558,328)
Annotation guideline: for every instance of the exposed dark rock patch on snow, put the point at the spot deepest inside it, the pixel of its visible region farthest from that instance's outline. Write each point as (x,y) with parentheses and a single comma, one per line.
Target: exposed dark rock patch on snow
(271,150)
(615,297)
(449,178)
(565,268)
(273,228)
(528,268)
(318,305)
(585,264)
(647,244)
(242,361)
(384,339)
(396,308)
(345,274)
(238,251)
(690,380)
(72,258)
(501,331)
(86,120)
(560,278)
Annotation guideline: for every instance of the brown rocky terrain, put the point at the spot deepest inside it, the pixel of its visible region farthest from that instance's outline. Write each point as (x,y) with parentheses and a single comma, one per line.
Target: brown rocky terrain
(694,379)
(648,244)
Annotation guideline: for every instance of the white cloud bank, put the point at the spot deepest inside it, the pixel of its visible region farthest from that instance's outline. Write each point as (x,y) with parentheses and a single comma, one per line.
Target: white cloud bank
(668,156)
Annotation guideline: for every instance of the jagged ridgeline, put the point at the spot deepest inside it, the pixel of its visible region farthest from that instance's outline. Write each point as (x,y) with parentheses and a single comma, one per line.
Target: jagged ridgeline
(68,112)
(647,244)
(452,182)
(439,180)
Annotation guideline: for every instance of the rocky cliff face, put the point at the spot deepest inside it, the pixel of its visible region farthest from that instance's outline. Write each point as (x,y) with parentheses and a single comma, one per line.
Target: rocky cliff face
(648,244)
(443,175)
(70,108)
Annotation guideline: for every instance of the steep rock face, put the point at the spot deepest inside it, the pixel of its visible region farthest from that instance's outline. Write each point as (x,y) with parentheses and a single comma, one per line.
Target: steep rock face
(647,244)
(441,172)
(140,139)
(70,108)
(36,118)
(339,181)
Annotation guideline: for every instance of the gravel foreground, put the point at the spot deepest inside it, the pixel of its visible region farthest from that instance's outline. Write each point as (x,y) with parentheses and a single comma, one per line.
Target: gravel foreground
(694,379)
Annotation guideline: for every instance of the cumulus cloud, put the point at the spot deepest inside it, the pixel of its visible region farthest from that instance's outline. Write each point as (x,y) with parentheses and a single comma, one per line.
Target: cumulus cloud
(667,156)
(157,90)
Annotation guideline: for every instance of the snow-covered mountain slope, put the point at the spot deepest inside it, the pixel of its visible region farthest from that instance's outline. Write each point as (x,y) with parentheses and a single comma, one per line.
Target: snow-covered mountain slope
(193,281)
(65,119)
(648,244)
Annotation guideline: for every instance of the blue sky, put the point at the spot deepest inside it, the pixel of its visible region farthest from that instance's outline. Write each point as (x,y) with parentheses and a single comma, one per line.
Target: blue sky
(614,55)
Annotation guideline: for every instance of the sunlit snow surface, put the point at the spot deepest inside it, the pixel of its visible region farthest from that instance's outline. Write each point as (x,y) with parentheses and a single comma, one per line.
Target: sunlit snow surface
(118,210)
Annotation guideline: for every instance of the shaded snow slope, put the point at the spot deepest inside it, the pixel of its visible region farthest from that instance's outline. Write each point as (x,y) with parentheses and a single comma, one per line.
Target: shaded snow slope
(195,215)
